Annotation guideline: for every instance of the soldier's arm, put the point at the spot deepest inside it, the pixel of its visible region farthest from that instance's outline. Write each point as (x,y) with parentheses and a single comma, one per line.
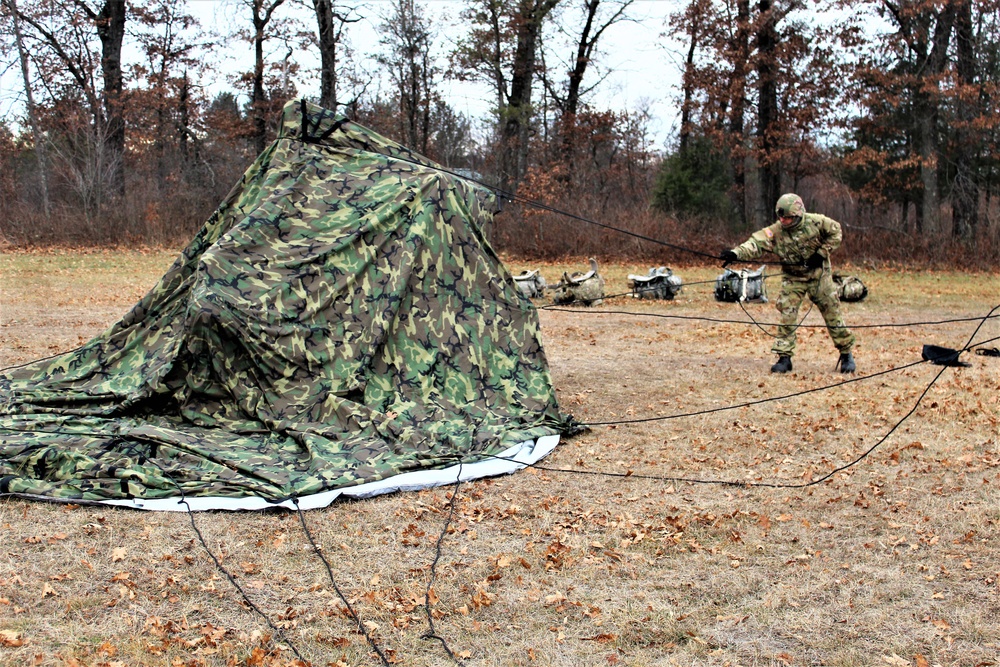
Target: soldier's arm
(755,246)
(830,236)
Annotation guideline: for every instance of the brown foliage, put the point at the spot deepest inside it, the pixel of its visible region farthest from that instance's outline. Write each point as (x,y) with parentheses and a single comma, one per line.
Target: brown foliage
(599,170)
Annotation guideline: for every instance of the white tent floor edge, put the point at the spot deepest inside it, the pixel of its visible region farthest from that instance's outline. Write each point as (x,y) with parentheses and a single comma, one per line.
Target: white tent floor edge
(521,455)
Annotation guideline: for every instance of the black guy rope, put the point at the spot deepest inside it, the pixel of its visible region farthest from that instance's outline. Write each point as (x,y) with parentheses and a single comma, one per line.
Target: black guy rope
(719,320)
(765,331)
(329,571)
(431,632)
(510,196)
(218,564)
(232,580)
(772,399)
(743,484)
(759,401)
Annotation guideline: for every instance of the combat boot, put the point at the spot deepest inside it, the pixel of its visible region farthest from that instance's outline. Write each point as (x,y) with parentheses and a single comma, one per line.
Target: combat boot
(846,363)
(783,365)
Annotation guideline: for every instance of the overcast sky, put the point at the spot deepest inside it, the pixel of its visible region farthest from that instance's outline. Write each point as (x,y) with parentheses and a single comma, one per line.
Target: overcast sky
(641,72)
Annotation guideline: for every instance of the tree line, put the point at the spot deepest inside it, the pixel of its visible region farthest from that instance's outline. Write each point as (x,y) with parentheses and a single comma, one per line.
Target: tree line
(887,113)
(881,114)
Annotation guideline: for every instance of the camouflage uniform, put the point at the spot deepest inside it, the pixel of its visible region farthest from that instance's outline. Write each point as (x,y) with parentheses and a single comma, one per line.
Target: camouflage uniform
(794,244)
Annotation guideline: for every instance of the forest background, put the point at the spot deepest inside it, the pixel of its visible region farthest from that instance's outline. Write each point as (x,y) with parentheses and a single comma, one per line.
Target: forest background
(883,115)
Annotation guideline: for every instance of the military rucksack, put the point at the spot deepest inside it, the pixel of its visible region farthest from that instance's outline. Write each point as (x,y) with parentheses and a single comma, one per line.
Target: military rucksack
(586,288)
(742,285)
(849,288)
(530,283)
(659,283)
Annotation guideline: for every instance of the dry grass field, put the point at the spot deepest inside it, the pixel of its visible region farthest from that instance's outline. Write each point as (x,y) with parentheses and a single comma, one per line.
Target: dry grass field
(892,561)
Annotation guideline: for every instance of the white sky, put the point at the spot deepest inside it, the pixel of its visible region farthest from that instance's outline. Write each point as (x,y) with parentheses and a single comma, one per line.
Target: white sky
(641,72)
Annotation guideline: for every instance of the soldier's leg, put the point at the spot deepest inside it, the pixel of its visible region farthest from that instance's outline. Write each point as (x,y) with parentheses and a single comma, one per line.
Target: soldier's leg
(824,294)
(792,293)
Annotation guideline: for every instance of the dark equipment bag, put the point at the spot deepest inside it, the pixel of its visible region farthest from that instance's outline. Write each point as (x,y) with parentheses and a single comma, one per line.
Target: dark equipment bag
(742,285)
(659,283)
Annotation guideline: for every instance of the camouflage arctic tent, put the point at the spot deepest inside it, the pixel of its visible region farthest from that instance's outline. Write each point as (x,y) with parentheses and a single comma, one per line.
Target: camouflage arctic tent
(339,325)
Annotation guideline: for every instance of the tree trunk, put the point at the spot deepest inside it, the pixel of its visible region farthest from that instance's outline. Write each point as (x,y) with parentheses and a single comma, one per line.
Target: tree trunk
(184,111)
(257,98)
(927,121)
(111,30)
(737,112)
(257,92)
(583,52)
(767,114)
(687,80)
(329,39)
(965,197)
(516,114)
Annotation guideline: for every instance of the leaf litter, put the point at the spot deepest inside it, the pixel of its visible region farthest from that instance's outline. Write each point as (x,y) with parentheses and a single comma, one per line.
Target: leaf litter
(892,560)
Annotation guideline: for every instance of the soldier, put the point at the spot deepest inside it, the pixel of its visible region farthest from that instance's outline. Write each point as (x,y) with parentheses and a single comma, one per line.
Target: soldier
(803,241)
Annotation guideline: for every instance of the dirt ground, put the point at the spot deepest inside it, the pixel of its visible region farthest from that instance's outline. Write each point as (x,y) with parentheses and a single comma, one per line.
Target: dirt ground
(627,560)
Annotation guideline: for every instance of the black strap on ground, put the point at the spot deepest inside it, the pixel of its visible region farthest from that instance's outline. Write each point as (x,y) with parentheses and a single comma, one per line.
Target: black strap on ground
(740,483)
(218,564)
(722,320)
(431,631)
(329,571)
(232,580)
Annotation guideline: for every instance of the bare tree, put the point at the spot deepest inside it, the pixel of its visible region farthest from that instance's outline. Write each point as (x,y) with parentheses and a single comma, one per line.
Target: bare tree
(407,38)
(38,138)
(60,27)
(597,17)
(331,22)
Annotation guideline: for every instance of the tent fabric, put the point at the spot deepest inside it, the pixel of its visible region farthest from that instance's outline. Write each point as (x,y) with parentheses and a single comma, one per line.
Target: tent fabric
(339,320)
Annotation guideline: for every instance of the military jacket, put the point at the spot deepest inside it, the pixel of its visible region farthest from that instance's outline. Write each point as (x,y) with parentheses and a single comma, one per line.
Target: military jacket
(814,233)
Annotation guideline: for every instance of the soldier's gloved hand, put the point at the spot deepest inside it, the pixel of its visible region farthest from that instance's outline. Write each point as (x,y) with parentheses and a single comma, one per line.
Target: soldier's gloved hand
(727,257)
(815,261)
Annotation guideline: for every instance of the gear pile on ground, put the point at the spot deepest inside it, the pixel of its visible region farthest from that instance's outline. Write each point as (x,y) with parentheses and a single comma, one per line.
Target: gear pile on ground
(659,283)
(531,283)
(744,285)
(583,288)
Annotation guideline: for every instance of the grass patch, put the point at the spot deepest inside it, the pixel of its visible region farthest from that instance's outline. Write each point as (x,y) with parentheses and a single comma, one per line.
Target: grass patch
(894,559)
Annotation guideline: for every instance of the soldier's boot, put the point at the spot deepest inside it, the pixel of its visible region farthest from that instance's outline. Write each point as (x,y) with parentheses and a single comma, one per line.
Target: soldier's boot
(846,363)
(783,365)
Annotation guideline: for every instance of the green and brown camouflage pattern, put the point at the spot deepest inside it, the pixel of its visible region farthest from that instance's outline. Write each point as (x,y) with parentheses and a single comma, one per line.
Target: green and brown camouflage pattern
(584,288)
(794,244)
(823,293)
(339,319)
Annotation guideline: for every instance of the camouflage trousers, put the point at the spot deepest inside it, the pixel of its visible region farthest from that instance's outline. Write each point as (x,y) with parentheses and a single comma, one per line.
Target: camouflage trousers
(823,293)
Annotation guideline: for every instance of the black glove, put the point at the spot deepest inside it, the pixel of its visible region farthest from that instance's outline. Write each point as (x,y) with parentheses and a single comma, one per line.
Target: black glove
(815,261)
(728,256)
